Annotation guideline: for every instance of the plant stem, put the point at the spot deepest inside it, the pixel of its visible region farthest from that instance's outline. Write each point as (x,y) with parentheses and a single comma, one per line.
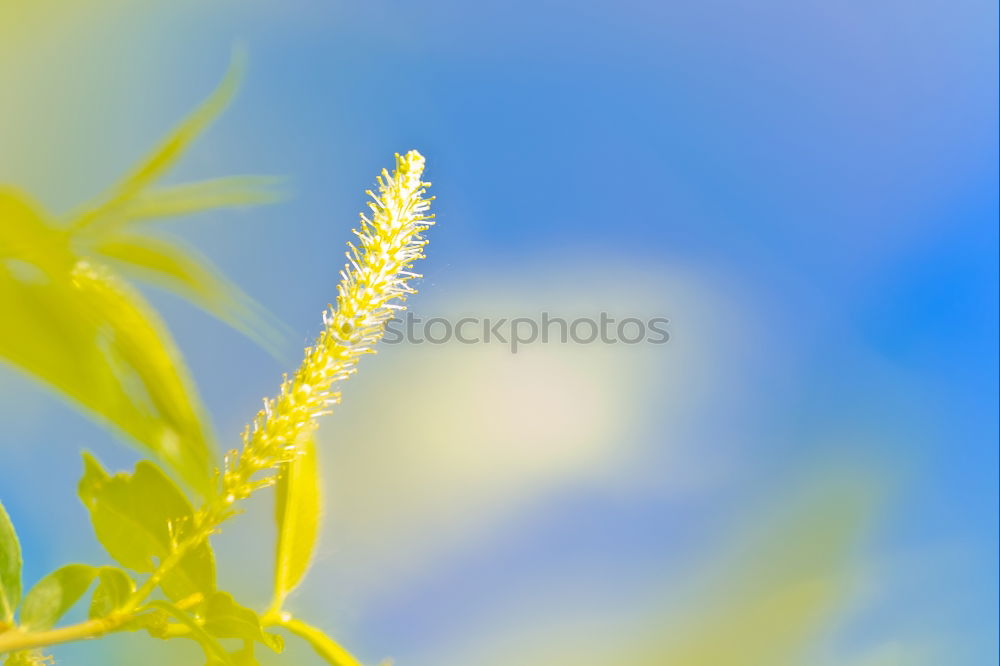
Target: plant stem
(211,515)
(17,639)
(331,651)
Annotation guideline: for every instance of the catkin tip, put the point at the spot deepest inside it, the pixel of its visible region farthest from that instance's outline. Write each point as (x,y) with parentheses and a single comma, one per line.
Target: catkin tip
(373,284)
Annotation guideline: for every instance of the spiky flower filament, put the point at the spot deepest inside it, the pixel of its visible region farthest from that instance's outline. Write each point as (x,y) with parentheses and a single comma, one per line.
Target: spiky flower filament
(373,285)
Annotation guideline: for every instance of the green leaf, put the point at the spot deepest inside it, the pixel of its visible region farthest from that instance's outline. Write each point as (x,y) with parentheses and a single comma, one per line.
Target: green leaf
(185,272)
(165,155)
(244,656)
(139,518)
(155,621)
(213,649)
(150,369)
(72,324)
(114,587)
(55,594)
(28,658)
(225,618)
(10,569)
(230,192)
(325,647)
(298,503)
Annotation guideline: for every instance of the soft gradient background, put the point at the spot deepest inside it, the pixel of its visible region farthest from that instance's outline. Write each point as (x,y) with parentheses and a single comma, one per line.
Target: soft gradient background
(807,189)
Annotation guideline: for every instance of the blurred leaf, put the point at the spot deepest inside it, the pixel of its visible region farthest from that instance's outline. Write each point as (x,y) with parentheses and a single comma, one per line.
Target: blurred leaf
(325,647)
(766,598)
(72,325)
(224,618)
(177,200)
(10,569)
(244,656)
(27,234)
(149,368)
(165,155)
(298,503)
(114,587)
(28,658)
(183,271)
(214,651)
(772,594)
(155,621)
(55,594)
(781,587)
(139,517)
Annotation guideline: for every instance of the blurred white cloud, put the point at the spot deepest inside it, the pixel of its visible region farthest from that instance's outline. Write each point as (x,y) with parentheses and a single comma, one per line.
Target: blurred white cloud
(437,447)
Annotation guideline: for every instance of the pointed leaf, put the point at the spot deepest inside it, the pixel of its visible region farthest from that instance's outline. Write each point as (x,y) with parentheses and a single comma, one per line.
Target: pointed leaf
(72,325)
(325,647)
(114,587)
(178,200)
(139,517)
(58,334)
(225,618)
(166,154)
(182,270)
(213,649)
(10,569)
(298,504)
(55,594)
(148,365)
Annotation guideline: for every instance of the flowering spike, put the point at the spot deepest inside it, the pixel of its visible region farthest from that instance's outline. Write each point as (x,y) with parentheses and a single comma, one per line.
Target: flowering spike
(373,284)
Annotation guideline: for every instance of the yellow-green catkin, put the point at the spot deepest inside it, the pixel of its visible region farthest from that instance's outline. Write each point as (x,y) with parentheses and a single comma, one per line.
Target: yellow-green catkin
(373,285)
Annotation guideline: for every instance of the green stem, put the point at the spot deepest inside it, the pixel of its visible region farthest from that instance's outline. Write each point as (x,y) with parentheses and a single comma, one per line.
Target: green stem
(215,512)
(330,650)
(17,639)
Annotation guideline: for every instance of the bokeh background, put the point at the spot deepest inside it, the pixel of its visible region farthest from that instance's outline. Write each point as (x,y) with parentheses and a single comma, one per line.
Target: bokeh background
(808,190)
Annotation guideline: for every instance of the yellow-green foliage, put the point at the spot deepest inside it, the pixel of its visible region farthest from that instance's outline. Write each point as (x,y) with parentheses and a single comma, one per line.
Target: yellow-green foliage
(776,592)
(74,323)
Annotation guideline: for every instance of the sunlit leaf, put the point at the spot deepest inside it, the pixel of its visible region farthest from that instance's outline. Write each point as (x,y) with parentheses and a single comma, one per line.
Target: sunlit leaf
(10,569)
(182,270)
(28,658)
(764,597)
(224,618)
(113,589)
(325,647)
(155,621)
(244,656)
(169,151)
(214,651)
(139,517)
(779,591)
(27,234)
(55,594)
(150,369)
(298,503)
(70,324)
(178,200)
